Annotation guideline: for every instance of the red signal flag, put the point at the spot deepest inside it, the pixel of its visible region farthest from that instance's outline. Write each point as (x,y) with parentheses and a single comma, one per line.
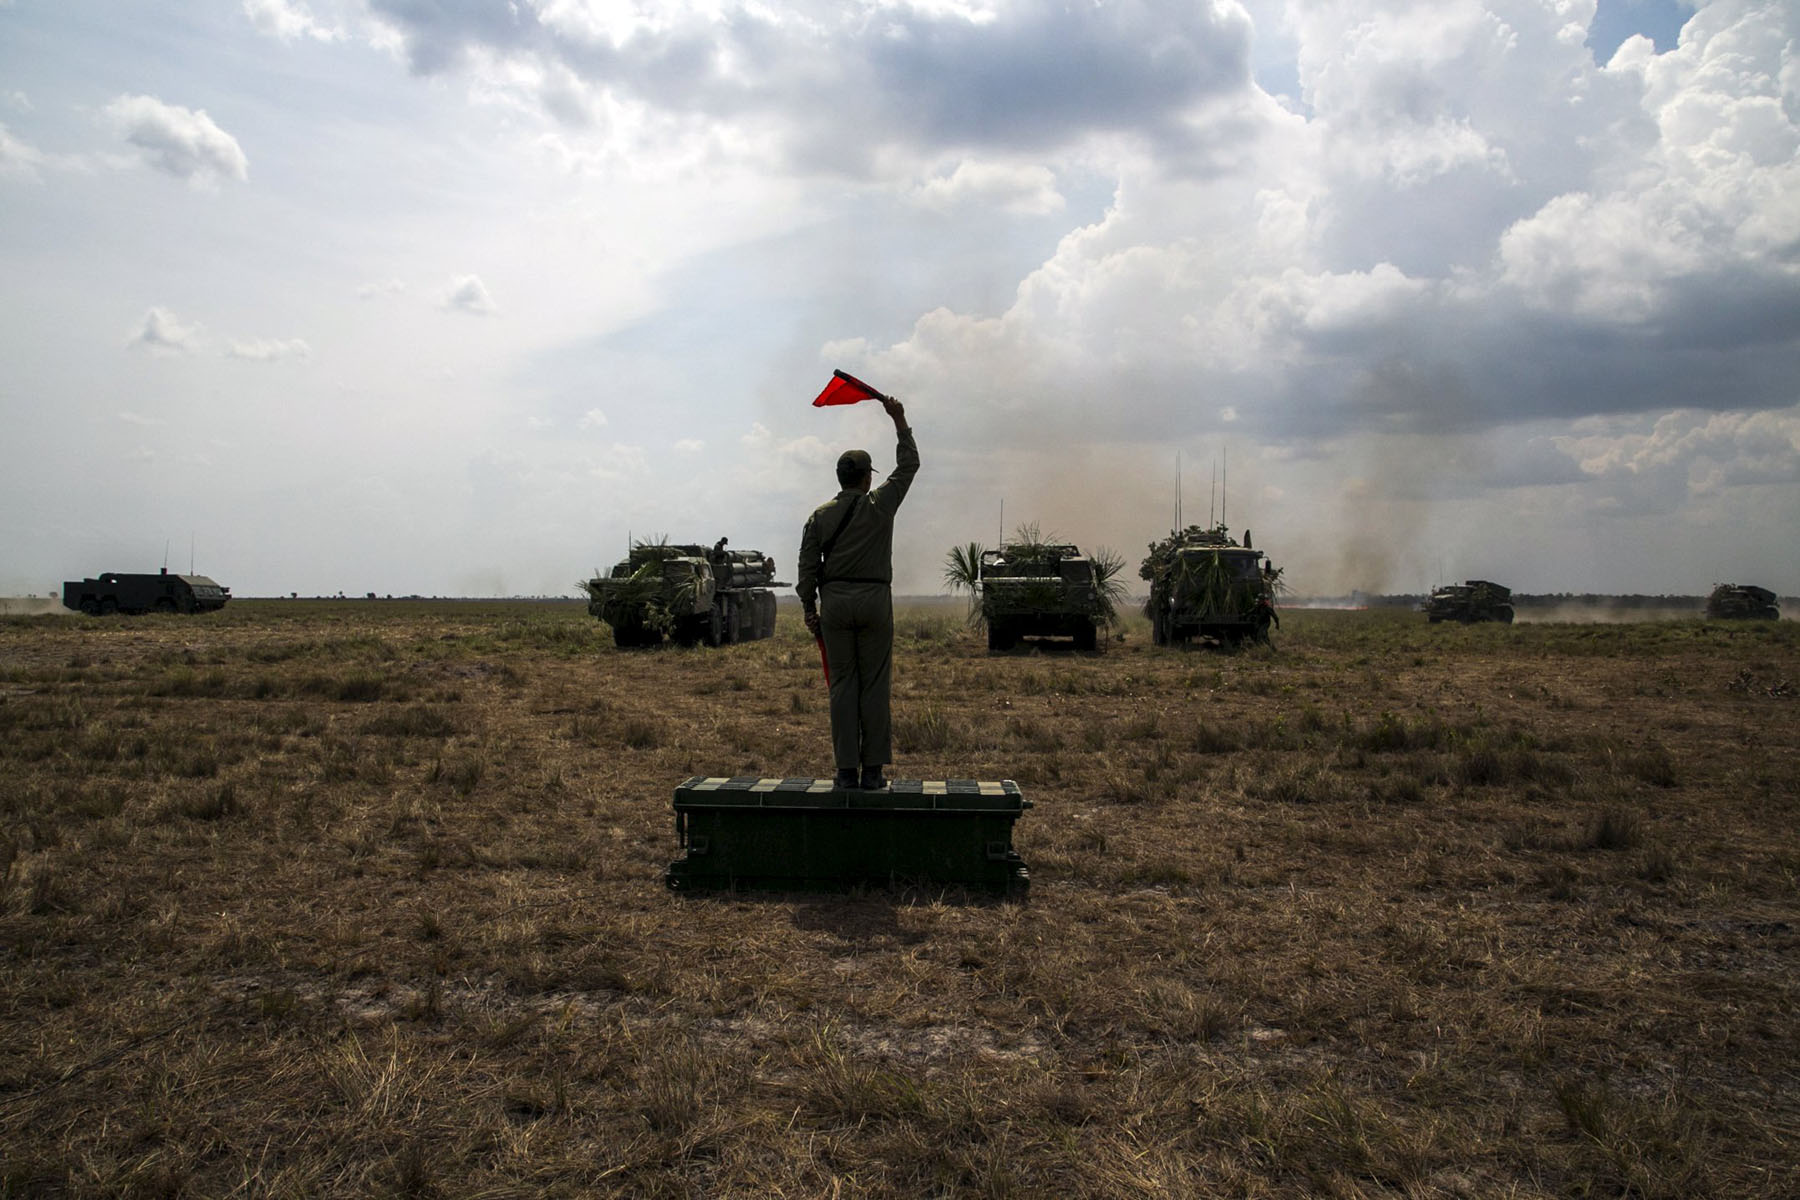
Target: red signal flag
(845,389)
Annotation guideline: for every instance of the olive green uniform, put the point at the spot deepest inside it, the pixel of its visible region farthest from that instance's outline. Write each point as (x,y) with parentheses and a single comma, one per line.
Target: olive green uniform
(852,587)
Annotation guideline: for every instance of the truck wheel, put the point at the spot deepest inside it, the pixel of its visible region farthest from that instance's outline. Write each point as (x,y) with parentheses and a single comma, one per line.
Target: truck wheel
(1159,628)
(108,607)
(715,628)
(90,606)
(165,605)
(1000,636)
(1504,614)
(1087,637)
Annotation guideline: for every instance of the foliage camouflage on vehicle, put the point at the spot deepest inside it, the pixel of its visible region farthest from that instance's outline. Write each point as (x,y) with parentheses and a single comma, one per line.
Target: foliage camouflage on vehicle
(1470,602)
(1035,586)
(686,593)
(1742,602)
(114,592)
(1204,584)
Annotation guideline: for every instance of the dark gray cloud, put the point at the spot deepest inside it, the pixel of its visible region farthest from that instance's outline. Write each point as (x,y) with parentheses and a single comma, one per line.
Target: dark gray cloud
(843,81)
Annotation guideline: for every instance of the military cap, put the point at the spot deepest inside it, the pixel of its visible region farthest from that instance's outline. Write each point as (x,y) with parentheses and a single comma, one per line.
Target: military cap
(855,460)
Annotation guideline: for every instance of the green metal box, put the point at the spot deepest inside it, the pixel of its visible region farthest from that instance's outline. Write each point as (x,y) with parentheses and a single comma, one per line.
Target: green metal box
(806,835)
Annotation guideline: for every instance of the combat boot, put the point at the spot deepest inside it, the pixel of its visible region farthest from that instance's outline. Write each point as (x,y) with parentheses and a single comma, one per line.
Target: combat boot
(873,780)
(846,779)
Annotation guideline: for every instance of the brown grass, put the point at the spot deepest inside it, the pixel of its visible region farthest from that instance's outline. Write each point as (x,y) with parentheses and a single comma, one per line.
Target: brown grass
(353,899)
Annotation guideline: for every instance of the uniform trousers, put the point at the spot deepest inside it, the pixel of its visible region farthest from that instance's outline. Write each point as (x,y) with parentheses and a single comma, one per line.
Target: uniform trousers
(857,623)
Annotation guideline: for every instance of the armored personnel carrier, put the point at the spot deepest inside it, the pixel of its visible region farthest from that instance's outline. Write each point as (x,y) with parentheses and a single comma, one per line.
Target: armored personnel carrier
(1204,584)
(114,592)
(1476,600)
(1742,602)
(688,594)
(1034,589)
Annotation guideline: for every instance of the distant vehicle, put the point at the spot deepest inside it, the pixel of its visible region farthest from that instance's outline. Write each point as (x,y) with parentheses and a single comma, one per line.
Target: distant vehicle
(686,593)
(119,593)
(1032,589)
(1742,602)
(1203,584)
(1476,600)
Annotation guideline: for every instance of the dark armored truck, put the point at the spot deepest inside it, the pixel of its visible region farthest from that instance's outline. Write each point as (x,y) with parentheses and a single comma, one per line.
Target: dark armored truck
(1203,584)
(114,592)
(1470,602)
(1031,589)
(1742,602)
(688,594)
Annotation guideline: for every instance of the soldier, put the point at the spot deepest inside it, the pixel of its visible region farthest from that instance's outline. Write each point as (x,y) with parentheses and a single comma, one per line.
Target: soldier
(845,580)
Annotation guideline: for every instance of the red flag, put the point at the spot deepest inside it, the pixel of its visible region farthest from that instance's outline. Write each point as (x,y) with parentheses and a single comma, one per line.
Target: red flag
(845,389)
(824,660)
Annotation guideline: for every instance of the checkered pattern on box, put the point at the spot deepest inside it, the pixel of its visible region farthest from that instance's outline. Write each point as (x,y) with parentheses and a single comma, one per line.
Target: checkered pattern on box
(903,787)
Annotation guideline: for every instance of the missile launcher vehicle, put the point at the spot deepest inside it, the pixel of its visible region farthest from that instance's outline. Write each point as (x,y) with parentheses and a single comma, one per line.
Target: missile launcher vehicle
(1742,602)
(1476,600)
(688,594)
(115,592)
(1032,589)
(1204,584)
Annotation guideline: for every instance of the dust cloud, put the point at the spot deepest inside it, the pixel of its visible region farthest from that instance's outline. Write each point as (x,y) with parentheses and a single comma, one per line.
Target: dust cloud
(33,606)
(1601,614)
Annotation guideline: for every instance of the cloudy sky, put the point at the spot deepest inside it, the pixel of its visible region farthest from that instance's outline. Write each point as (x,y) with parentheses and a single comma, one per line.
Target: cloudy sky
(453,297)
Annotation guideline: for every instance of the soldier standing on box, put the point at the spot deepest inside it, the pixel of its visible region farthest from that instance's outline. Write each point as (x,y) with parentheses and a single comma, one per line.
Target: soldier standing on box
(845,585)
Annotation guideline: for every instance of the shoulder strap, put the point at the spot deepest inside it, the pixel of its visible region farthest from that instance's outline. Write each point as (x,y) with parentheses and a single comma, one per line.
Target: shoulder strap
(825,550)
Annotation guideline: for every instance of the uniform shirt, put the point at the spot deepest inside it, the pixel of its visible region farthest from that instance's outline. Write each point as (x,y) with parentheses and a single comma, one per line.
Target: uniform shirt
(865,550)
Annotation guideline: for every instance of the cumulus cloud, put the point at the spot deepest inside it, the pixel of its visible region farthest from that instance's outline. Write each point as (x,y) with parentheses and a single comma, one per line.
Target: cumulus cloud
(689,446)
(162,332)
(800,457)
(182,142)
(380,287)
(288,20)
(468,294)
(593,418)
(18,158)
(842,82)
(1028,189)
(1582,239)
(268,349)
(1687,454)
(618,461)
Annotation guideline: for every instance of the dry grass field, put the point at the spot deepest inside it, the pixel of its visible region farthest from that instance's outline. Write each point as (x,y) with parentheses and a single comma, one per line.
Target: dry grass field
(353,898)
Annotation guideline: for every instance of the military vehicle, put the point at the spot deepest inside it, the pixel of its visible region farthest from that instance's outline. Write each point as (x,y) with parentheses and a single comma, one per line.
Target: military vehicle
(114,592)
(1204,584)
(688,594)
(1034,589)
(1476,600)
(1742,602)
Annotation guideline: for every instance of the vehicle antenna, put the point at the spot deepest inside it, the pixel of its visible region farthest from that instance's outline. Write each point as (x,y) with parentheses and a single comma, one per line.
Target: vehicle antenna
(190,552)
(165,556)
(1212,496)
(1002,542)
(1178,491)
(1224,469)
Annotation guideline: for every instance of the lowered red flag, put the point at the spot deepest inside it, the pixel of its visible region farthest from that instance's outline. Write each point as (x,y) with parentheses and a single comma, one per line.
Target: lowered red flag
(845,389)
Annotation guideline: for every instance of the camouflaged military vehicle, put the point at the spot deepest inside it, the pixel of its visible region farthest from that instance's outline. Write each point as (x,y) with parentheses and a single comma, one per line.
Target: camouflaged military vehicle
(1035,589)
(1204,584)
(688,594)
(1742,602)
(114,592)
(1476,600)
